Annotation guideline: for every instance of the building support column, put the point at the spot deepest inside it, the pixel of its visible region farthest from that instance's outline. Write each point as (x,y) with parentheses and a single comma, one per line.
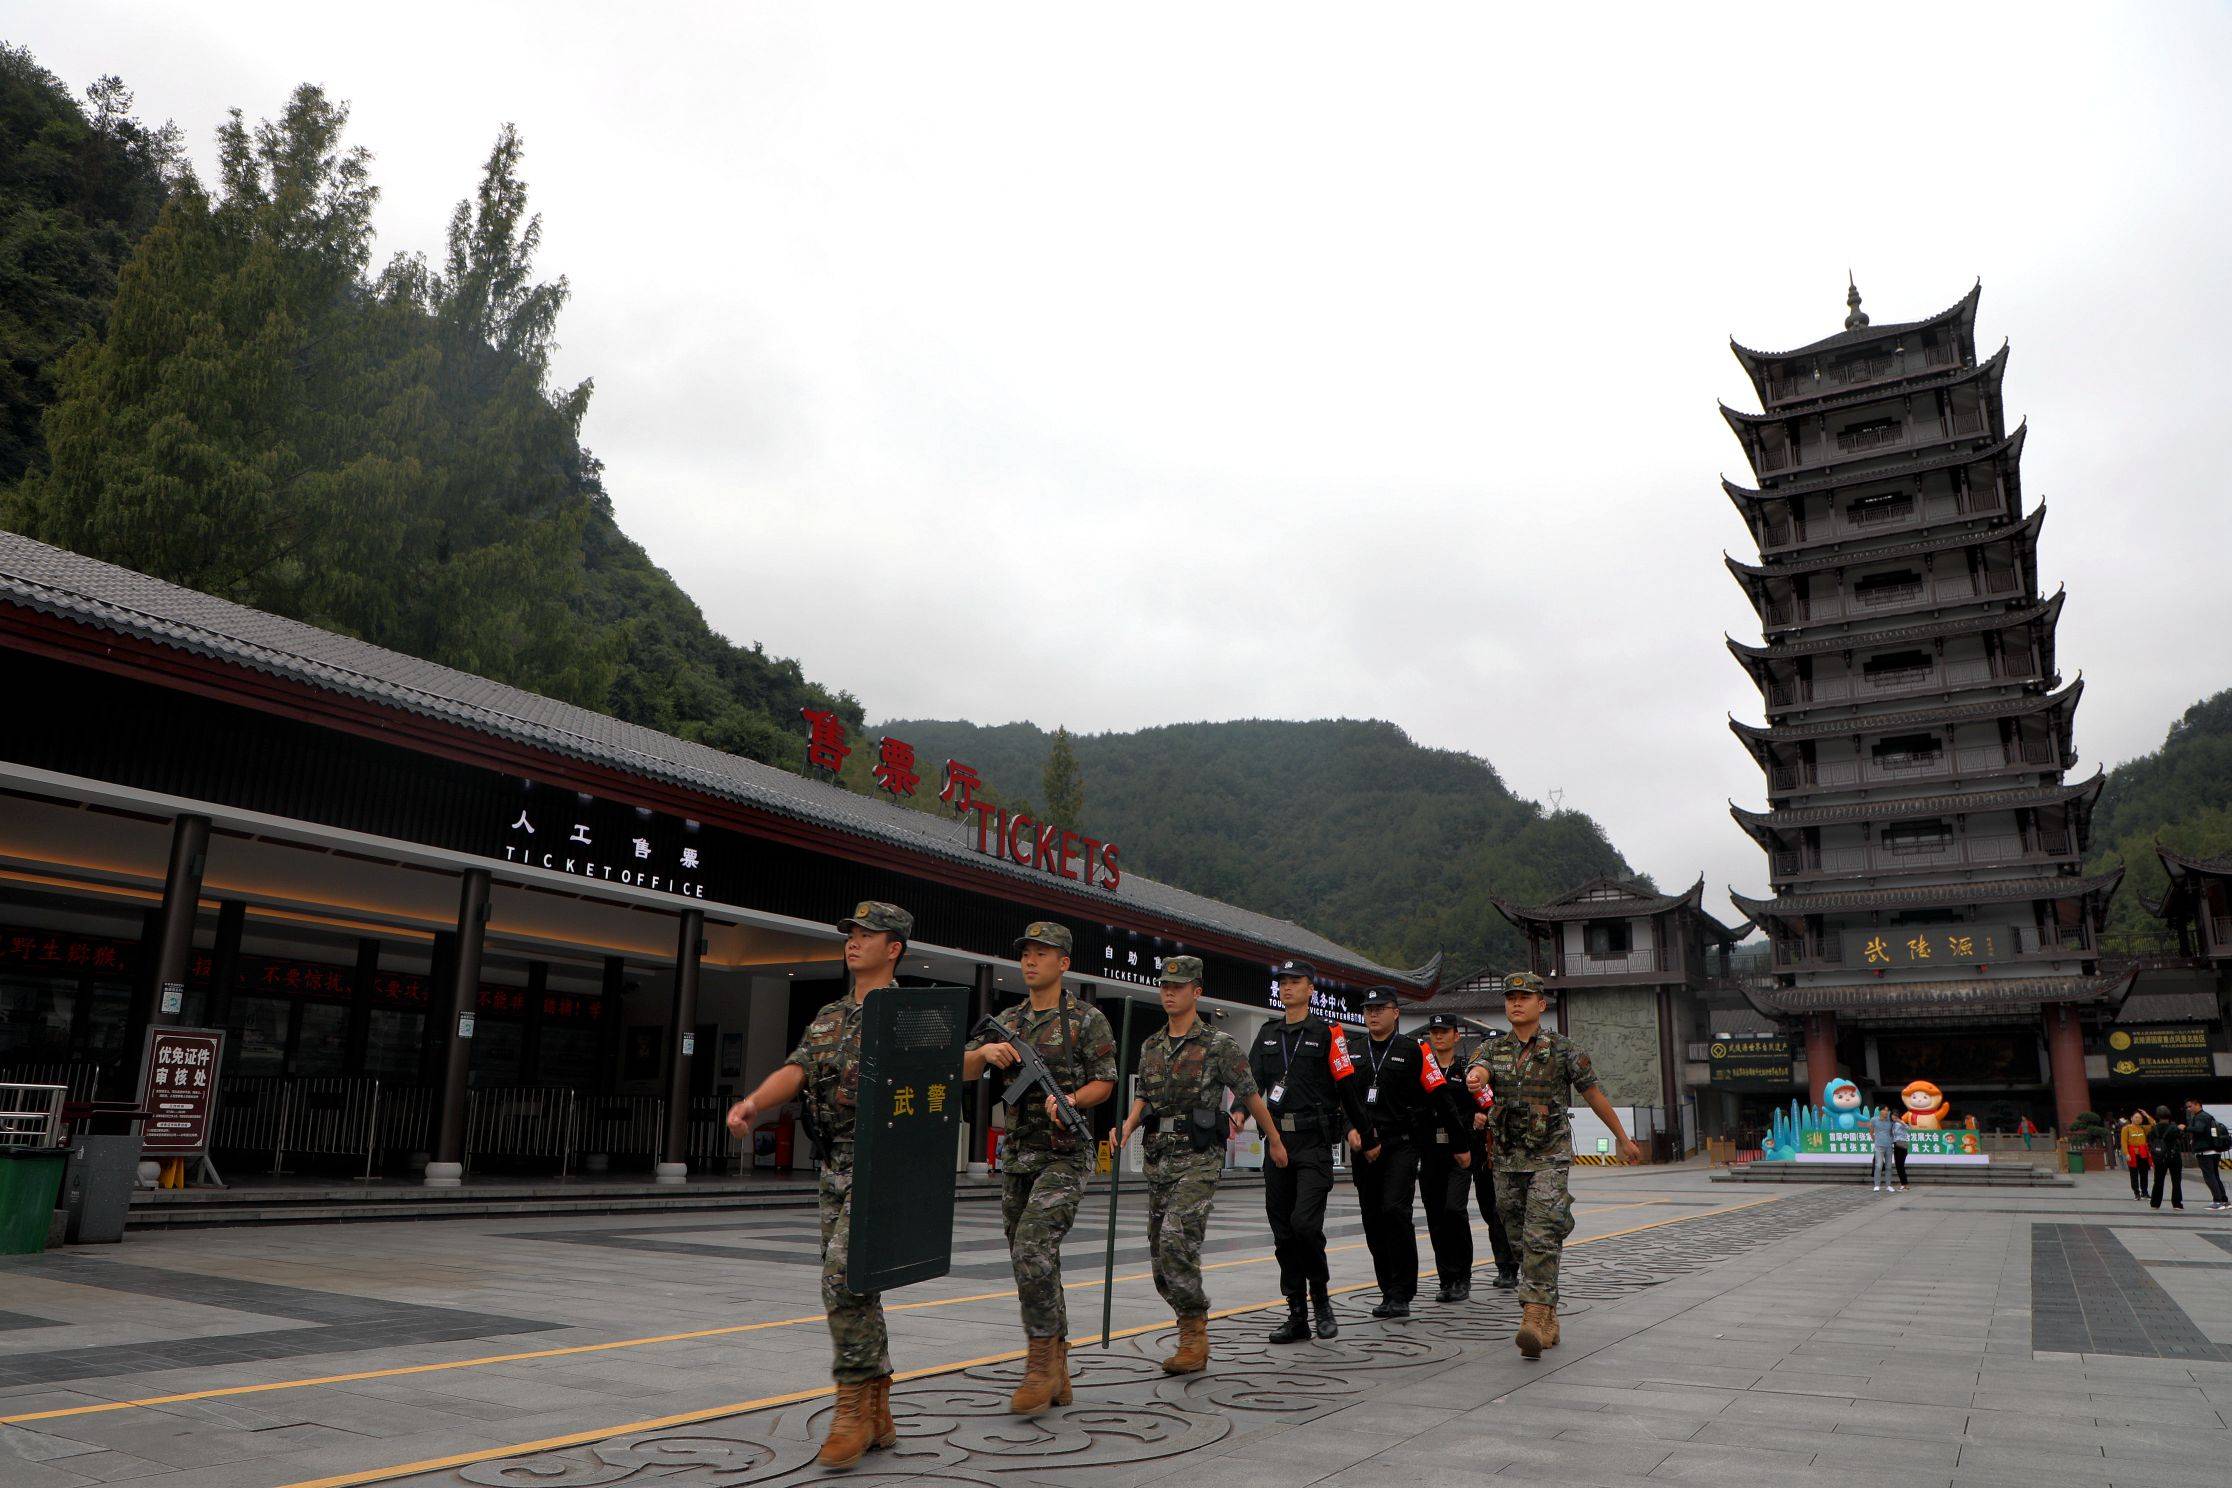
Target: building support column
(224,962)
(167,944)
(460,1001)
(357,1040)
(980,1125)
(1821,1052)
(531,1032)
(2065,1057)
(612,1024)
(674,1166)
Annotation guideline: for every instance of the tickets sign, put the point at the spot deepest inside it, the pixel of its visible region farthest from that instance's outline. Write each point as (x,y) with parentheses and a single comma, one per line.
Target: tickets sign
(180,1096)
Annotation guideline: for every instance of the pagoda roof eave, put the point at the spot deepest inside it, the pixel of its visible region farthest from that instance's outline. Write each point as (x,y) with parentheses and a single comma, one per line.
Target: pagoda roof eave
(1993,366)
(2047,611)
(1962,309)
(2177,864)
(1573,908)
(1950,803)
(1925,896)
(1786,733)
(2023,532)
(2010,447)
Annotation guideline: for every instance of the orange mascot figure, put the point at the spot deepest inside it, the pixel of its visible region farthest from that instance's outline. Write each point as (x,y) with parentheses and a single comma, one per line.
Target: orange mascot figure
(1926,1109)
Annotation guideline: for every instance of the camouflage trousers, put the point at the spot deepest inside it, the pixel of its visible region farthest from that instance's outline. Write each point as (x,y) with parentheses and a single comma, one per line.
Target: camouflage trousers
(1180,1189)
(1038,1203)
(860,1346)
(1538,1215)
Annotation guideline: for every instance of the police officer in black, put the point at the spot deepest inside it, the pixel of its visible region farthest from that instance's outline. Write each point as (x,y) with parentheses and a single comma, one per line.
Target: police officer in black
(1446,1187)
(1317,1097)
(1413,1101)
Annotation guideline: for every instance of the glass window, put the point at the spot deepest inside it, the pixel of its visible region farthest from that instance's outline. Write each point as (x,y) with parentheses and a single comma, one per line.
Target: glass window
(392,1043)
(35,1019)
(570,1056)
(259,1036)
(325,1039)
(108,1030)
(497,1048)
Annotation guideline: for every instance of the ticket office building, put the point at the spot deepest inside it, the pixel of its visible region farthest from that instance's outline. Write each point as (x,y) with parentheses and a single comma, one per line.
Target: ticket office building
(442,919)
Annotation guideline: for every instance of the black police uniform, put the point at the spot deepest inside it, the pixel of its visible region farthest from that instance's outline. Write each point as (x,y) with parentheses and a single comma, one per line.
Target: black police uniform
(1446,1192)
(1315,1094)
(1414,1102)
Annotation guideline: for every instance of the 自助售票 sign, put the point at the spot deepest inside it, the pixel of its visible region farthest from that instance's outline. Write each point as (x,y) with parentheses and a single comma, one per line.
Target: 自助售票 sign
(2162,1051)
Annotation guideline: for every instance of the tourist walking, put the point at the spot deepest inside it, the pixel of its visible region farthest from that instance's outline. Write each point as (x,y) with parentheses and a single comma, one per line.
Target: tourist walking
(2209,1140)
(1901,1135)
(2166,1145)
(2137,1158)
(1880,1130)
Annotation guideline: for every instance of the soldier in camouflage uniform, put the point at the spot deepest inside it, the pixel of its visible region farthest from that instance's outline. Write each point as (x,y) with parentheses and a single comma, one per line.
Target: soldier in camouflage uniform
(1535,1073)
(1185,1068)
(1043,1169)
(825,1067)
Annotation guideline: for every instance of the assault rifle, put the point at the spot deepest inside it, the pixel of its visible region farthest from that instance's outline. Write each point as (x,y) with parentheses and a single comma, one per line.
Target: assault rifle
(1031,1074)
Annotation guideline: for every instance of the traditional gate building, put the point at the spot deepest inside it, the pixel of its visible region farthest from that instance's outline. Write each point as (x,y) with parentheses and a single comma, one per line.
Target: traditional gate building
(1930,917)
(442,917)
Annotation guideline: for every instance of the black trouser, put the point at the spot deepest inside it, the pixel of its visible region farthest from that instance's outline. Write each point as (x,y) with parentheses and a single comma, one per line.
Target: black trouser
(2171,1166)
(1294,1199)
(1898,1160)
(1384,1185)
(1445,1191)
(2138,1166)
(1484,1188)
(2207,1163)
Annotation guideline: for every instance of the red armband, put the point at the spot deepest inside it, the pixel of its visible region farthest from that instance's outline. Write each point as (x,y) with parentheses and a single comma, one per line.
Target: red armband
(1430,1076)
(1336,1055)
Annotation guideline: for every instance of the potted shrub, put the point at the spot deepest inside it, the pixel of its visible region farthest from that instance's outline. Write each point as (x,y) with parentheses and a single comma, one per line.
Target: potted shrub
(2088,1138)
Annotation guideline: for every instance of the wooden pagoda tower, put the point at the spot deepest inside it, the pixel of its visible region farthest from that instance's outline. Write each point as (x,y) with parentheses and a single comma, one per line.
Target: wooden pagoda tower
(1923,842)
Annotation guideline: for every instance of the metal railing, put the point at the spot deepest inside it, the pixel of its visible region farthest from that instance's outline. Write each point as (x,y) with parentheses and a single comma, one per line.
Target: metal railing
(620,1125)
(1621,963)
(83,1081)
(1853,440)
(521,1121)
(2220,930)
(31,1115)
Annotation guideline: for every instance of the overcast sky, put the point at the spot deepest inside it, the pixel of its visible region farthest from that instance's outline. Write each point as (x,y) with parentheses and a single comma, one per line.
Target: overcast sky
(1132,365)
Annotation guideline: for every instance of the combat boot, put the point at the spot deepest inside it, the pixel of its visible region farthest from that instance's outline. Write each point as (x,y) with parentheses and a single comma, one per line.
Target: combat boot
(1193,1347)
(1036,1392)
(1296,1328)
(1061,1370)
(1328,1326)
(850,1429)
(1550,1316)
(1537,1329)
(882,1430)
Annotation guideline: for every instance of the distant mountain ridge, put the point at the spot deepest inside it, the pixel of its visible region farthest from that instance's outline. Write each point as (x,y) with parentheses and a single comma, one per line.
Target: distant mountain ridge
(1347,825)
(2180,794)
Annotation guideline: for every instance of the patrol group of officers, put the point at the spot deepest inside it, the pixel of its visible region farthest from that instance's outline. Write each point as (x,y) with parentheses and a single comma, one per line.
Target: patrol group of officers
(1412,1121)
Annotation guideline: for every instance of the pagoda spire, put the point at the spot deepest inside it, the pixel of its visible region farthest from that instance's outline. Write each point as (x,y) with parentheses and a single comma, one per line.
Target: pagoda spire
(1857,316)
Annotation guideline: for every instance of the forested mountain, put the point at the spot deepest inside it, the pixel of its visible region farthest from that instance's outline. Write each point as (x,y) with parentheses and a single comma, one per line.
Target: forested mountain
(213,383)
(235,400)
(1347,825)
(2181,793)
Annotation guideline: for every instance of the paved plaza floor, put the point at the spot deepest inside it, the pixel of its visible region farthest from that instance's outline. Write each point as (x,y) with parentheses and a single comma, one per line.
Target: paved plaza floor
(1713,1333)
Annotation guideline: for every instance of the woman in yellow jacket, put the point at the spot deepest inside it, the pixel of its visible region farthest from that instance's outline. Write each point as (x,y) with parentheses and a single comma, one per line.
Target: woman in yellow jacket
(2136,1156)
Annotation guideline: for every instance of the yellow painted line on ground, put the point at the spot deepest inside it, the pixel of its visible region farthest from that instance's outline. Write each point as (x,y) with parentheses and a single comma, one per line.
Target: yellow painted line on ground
(710,1413)
(484,1361)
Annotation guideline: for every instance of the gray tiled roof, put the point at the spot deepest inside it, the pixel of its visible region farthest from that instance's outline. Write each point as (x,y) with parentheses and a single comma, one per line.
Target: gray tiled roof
(2047,611)
(1992,366)
(1885,723)
(1924,896)
(1929,457)
(1861,335)
(2025,531)
(1943,999)
(87,591)
(1906,807)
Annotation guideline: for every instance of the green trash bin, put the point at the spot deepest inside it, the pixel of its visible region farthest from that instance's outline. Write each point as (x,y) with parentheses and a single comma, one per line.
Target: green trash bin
(30,1181)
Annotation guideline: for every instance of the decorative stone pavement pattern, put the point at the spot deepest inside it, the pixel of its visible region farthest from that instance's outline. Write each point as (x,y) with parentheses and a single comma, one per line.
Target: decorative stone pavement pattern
(1131,1418)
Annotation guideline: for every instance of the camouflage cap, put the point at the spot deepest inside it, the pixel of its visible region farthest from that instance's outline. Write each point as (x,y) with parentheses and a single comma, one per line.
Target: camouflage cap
(1526,981)
(1047,933)
(1182,969)
(874,914)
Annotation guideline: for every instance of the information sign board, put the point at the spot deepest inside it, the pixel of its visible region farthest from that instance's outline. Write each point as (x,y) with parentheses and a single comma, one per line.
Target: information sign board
(181,1067)
(1752,1062)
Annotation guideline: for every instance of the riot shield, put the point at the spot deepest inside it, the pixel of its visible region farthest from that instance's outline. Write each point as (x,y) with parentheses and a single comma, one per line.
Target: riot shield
(905,1139)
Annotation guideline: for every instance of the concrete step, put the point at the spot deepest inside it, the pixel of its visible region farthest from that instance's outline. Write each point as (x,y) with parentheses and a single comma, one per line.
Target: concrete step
(1996,1175)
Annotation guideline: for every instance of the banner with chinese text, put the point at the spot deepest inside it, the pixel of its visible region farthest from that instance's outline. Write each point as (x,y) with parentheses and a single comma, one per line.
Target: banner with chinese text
(2160,1051)
(1761,1062)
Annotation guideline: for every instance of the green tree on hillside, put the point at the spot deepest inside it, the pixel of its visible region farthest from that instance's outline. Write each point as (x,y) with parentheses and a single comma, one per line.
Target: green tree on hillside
(2181,795)
(79,185)
(1062,782)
